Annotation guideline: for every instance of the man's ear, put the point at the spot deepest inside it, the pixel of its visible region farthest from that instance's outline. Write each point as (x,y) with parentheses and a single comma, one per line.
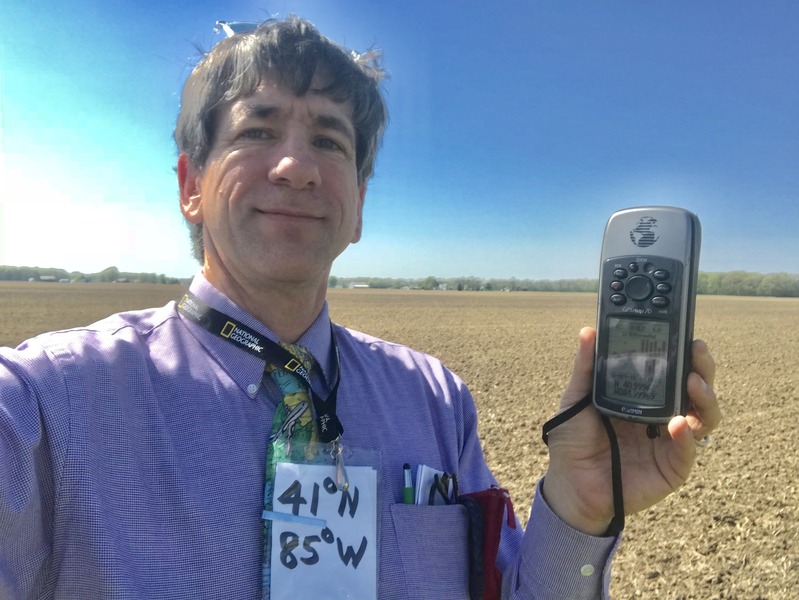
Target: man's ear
(189,185)
(359,227)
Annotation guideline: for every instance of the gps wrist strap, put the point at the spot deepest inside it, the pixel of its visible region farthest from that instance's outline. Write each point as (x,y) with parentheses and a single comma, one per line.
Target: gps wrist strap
(617,523)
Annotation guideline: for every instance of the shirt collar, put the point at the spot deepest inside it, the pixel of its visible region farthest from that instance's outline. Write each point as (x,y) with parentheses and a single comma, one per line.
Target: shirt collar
(246,369)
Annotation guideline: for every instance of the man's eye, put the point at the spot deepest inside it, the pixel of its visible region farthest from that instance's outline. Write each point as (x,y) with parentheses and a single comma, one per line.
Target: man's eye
(255,134)
(329,144)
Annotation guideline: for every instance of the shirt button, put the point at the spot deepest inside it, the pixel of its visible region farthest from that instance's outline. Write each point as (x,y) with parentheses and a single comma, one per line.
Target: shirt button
(252,389)
(587,570)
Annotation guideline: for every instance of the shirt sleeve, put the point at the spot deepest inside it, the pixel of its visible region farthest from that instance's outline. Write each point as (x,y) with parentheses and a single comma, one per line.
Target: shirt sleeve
(28,441)
(550,561)
(557,562)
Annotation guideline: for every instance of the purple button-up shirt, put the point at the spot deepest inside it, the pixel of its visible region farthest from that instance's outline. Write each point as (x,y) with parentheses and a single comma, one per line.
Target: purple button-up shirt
(132,465)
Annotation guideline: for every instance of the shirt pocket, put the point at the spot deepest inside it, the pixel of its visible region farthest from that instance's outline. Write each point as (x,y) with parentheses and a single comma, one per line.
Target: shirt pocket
(434,550)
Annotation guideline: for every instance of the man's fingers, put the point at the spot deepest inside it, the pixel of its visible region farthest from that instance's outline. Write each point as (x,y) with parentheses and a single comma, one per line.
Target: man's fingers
(582,373)
(703,362)
(682,459)
(705,413)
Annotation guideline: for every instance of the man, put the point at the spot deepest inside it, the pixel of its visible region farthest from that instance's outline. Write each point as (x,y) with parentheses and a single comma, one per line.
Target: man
(134,450)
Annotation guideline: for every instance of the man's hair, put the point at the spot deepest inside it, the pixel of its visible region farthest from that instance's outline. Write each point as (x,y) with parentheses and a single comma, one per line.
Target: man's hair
(291,53)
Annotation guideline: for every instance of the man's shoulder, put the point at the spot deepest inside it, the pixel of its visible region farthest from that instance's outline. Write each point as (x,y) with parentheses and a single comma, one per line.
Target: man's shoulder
(374,349)
(67,362)
(364,341)
(113,332)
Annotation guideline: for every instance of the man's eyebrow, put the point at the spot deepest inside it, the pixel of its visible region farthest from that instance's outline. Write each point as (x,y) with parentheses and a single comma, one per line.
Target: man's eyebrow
(326,121)
(336,124)
(259,111)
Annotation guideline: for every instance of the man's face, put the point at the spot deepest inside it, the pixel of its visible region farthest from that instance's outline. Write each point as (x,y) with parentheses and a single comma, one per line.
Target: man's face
(278,196)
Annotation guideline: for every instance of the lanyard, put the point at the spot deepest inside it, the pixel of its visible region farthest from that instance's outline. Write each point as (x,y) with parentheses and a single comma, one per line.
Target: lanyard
(249,340)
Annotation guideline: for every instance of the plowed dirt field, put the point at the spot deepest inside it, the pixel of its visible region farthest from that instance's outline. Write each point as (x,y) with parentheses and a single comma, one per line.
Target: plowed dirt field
(731,532)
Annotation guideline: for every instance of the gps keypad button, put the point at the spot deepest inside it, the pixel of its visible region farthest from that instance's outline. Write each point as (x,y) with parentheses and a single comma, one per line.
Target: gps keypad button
(660,301)
(639,287)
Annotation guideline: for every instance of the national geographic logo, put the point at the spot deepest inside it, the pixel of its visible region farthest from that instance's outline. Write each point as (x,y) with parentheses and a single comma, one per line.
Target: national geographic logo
(238,335)
(297,367)
(189,306)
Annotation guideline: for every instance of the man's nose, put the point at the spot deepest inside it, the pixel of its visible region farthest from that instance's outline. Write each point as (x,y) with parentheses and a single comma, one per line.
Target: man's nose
(296,167)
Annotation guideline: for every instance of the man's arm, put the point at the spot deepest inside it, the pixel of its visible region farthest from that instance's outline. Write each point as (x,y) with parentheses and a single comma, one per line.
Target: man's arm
(557,561)
(27,480)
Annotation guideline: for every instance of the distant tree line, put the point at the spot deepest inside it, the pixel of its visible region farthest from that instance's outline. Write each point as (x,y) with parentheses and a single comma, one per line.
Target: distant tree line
(734,283)
(111,274)
(742,283)
(469,284)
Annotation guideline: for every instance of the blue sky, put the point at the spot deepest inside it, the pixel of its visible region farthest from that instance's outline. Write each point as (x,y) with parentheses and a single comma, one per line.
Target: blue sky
(516,129)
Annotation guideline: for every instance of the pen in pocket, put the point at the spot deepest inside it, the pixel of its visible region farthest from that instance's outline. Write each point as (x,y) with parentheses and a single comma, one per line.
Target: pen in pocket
(407,491)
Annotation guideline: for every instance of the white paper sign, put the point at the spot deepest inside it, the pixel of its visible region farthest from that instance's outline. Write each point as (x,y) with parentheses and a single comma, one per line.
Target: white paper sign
(324,542)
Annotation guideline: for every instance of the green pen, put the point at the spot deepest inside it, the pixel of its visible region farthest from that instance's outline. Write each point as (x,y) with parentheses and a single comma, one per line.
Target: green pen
(407,491)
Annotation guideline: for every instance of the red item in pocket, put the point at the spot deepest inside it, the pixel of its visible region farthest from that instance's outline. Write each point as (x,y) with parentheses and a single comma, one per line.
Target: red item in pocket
(492,502)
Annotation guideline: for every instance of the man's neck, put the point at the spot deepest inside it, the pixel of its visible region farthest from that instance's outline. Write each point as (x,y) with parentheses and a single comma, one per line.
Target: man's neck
(288,310)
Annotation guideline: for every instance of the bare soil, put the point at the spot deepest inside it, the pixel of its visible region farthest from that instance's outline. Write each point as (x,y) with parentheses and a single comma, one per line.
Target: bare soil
(732,532)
